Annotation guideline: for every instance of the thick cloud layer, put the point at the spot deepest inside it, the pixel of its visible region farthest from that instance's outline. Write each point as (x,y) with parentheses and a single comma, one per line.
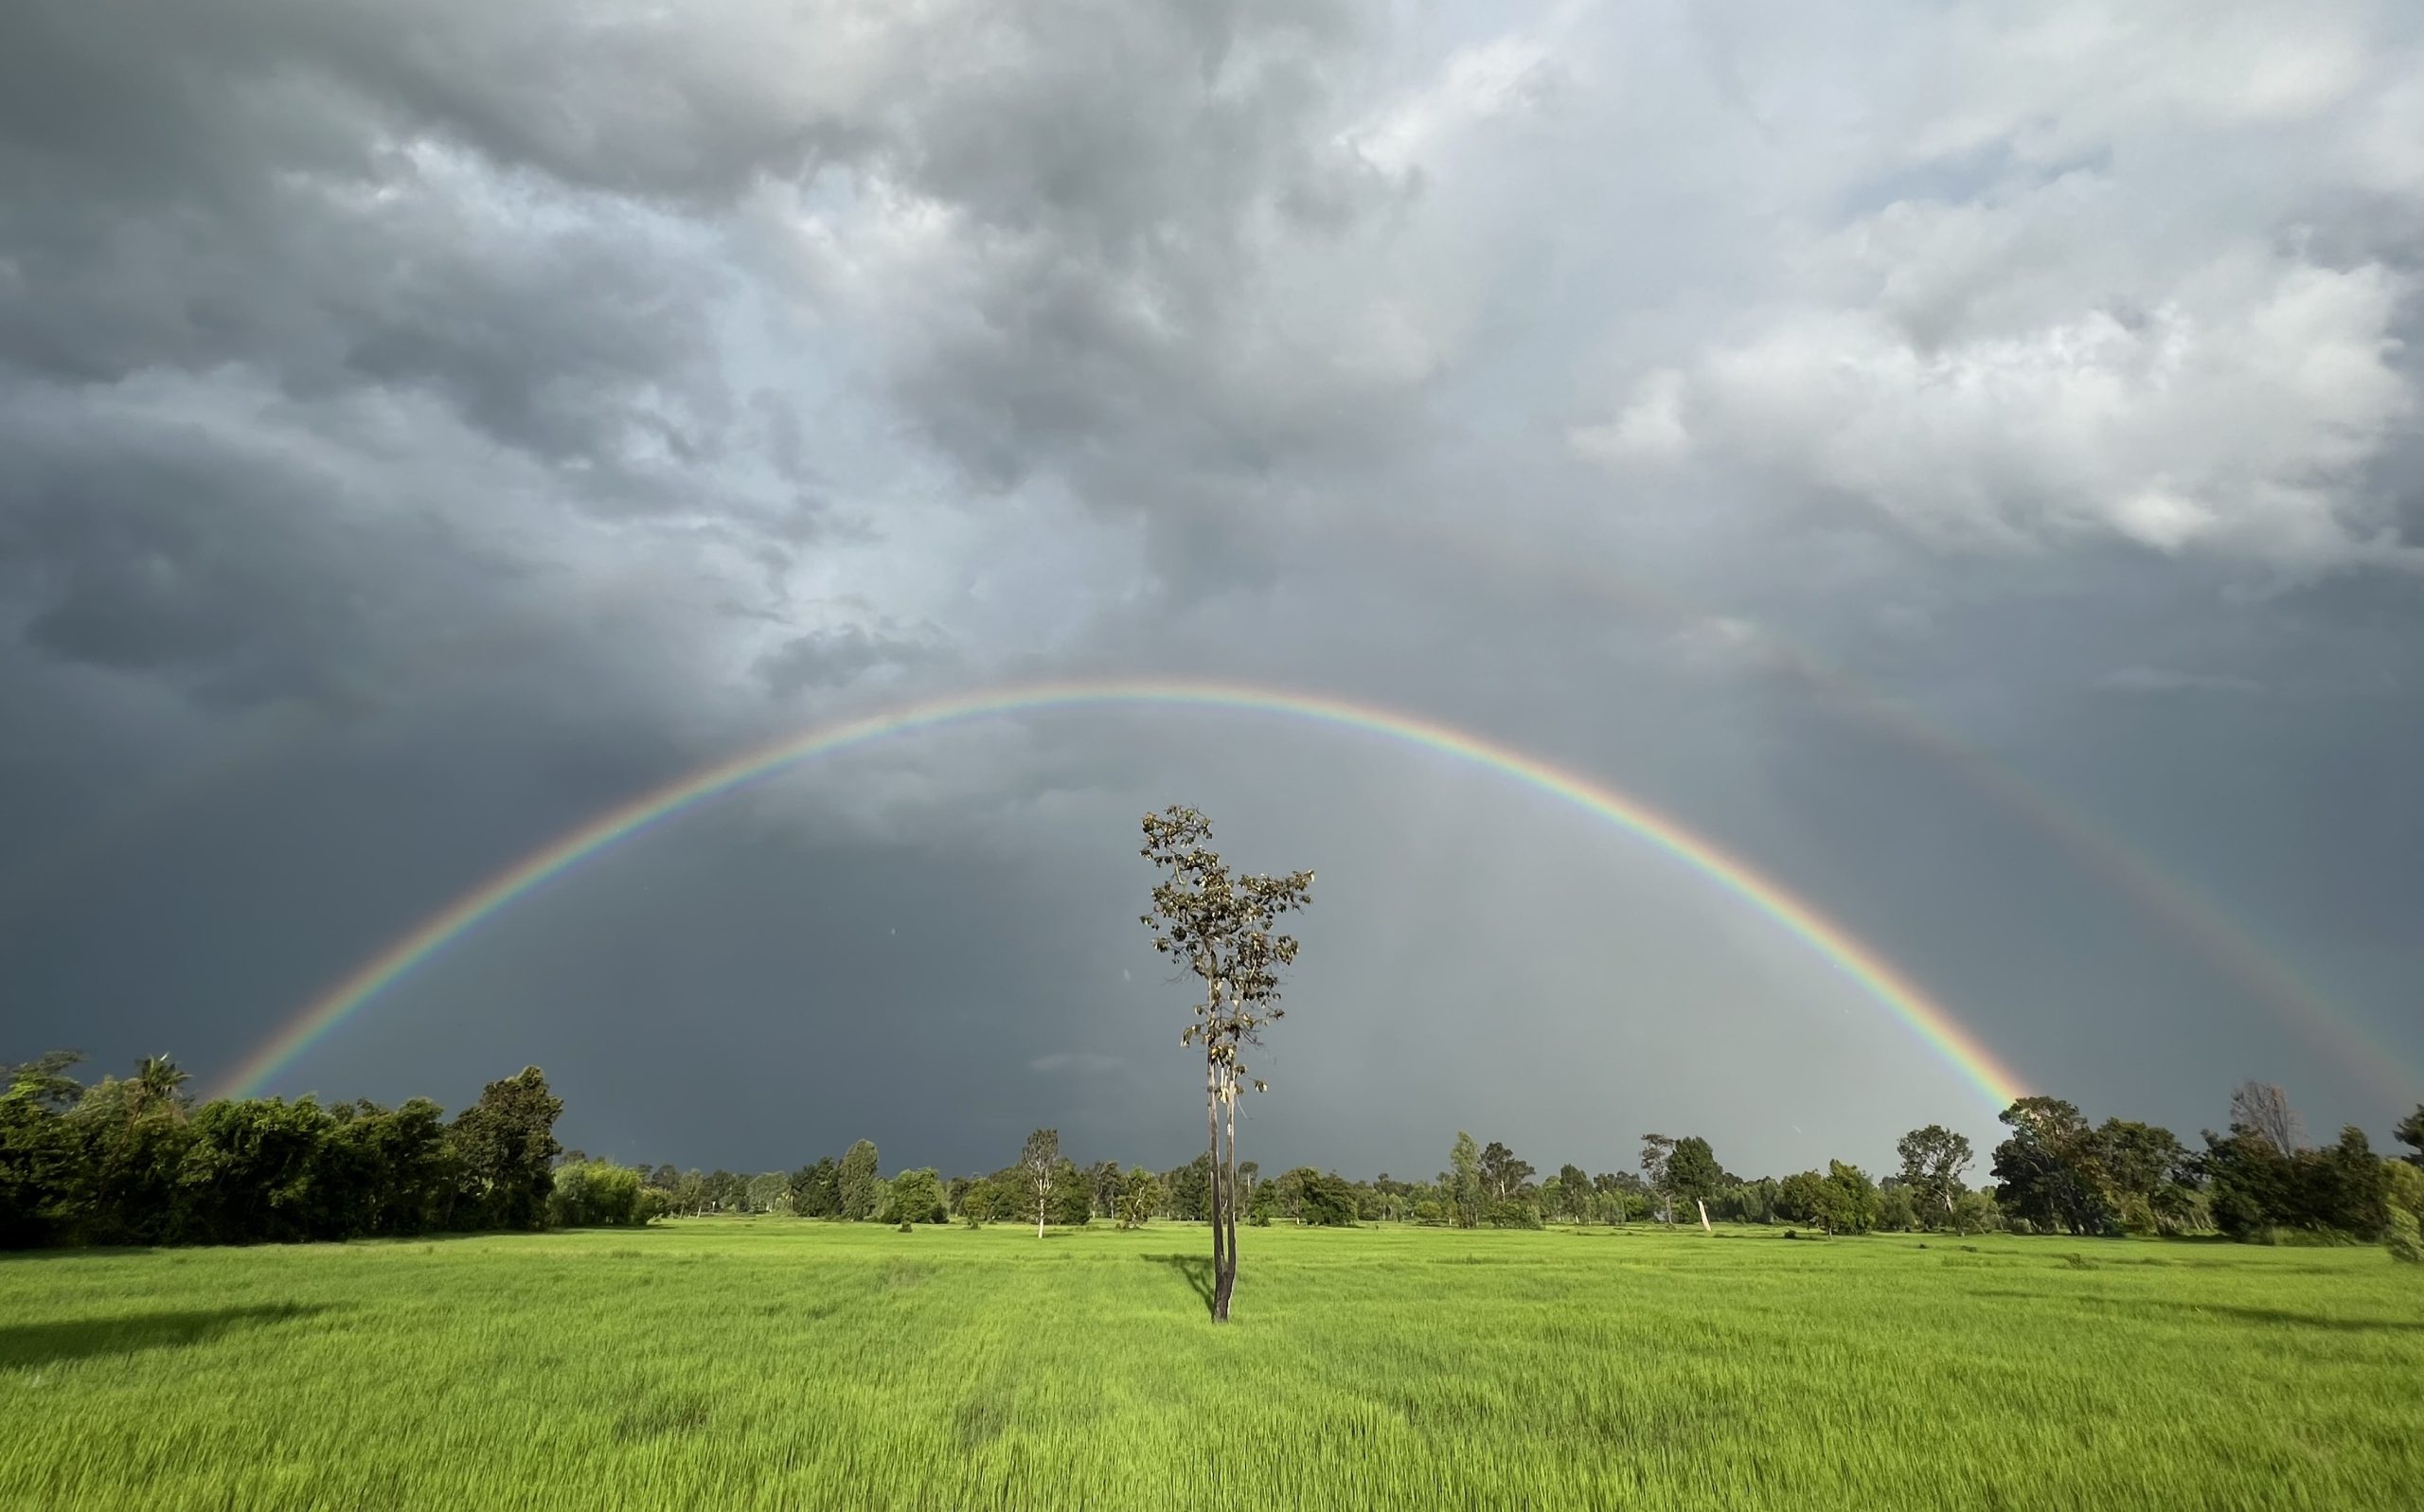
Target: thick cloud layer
(1966,464)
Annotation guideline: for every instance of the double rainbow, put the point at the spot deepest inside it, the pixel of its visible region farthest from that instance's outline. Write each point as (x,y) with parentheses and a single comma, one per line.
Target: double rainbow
(1919,1013)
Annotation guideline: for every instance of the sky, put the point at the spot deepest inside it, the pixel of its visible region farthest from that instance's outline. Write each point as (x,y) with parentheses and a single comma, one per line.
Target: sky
(1967,462)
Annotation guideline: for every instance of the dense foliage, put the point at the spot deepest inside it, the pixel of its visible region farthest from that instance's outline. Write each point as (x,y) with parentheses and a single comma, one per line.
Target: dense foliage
(131,1160)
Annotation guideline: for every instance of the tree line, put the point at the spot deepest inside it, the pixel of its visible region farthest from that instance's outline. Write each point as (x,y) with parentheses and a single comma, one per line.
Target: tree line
(2054,1173)
(133,1160)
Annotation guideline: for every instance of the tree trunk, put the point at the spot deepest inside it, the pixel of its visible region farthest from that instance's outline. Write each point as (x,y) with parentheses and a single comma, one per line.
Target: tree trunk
(1224,1284)
(1212,1176)
(1703,1207)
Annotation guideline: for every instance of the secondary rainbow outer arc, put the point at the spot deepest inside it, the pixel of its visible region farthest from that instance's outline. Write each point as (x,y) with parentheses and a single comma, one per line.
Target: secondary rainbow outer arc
(1930,1021)
(2226,944)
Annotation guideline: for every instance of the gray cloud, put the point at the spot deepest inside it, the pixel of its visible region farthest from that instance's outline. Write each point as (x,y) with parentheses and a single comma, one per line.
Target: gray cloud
(2166,680)
(422,428)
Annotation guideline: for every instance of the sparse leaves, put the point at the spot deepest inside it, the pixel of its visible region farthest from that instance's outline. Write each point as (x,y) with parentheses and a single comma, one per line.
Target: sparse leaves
(1223,927)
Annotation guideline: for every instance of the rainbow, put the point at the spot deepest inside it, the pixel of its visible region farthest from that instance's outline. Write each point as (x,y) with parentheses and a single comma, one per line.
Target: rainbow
(2225,944)
(1920,1014)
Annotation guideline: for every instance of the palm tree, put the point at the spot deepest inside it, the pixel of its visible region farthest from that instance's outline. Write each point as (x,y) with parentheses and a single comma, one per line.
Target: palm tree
(157,1082)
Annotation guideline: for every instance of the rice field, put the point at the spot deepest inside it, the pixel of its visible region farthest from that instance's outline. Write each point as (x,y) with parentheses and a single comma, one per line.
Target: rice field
(777,1363)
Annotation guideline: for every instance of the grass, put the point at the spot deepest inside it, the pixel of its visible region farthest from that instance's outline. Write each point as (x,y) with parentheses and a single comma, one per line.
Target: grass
(773,1363)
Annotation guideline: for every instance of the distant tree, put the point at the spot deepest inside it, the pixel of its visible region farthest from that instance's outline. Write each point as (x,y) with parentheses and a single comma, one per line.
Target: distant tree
(2262,1110)
(770,1192)
(1073,1198)
(2136,1162)
(1512,1214)
(1933,1160)
(506,1147)
(598,1194)
(255,1173)
(2049,1169)
(816,1189)
(1327,1200)
(1692,1173)
(1609,1188)
(855,1182)
(1286,1193)
(1039,1168)
(1463,1180)
(1223,926)
(1849,1201)
(1103,1182)
(1802,1197)
(2254,1189)
(397,1166)
(1139,1195)
(915,1196)
(1573,1192)
(1755,1201)
(43,1082)
(1502,1174)
(2403,1186)
(690,1193)
(1896,1212)
(2349,1188)
(1656,1150)
(1188,1190)
(159,1088)
(2410,1131)
(1976,1213)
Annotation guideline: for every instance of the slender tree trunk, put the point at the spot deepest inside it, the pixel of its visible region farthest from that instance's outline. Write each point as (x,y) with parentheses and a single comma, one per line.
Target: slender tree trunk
(1212,1175)
(1225,1286)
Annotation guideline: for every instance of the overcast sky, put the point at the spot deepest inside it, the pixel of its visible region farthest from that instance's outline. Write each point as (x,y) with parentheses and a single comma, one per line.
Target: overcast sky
(1966,460)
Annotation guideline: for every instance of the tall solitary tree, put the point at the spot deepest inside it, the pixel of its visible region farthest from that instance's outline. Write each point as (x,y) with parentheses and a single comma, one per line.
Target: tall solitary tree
(1040,1168)
(1223,927)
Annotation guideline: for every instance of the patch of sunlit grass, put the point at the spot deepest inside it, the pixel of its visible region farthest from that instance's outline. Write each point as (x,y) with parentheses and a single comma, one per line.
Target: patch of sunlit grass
(773,1363)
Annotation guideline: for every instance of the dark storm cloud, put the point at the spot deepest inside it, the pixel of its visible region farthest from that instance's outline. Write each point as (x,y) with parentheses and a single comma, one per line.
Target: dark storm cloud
(423,427)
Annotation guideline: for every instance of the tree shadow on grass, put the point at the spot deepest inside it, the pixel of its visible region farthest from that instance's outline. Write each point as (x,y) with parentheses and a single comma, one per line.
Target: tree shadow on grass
(2279,1318)
(26,1346)
(1198,1270)
(2220,1313)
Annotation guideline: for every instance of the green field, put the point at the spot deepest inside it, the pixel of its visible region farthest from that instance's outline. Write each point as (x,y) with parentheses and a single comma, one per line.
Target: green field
(777,1363)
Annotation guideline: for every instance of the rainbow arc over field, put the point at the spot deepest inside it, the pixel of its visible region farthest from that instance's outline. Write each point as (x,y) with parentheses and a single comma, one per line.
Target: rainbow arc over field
(1920,1014)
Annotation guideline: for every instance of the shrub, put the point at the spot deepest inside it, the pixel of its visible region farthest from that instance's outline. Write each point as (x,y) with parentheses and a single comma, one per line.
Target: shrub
(2406,1241)
(1329,1201)
(599,1194)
